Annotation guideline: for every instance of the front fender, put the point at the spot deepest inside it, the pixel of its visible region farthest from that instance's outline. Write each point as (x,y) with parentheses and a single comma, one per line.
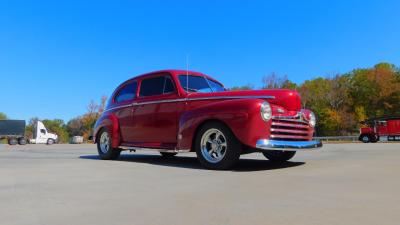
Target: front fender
(242,116)
(109,121)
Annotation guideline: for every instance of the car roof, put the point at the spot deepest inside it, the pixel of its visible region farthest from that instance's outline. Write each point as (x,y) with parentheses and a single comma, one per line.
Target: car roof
(174,72)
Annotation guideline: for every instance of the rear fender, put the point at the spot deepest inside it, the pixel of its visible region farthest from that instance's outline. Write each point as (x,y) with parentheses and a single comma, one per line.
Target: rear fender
(109,121)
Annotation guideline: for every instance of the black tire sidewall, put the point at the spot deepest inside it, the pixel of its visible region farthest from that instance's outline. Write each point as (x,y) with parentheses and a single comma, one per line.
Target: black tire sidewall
(22,141)
(362,138)
(233,151)
(279,156)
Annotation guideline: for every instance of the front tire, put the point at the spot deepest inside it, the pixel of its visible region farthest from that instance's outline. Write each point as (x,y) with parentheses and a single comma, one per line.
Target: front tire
(365,138)
(104,147)
(50,141)
(217,147)
(279,156)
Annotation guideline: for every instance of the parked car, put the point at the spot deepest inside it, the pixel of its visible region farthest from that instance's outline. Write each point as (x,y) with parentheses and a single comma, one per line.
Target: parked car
(14,132)
(177,111)
(376,128)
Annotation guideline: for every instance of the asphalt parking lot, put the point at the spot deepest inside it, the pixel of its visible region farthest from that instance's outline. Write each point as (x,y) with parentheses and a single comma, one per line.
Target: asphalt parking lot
(67,184)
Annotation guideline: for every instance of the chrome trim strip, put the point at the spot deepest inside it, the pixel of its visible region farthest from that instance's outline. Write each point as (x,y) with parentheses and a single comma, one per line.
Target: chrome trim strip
(190,99)
(160,101)
(290,120)
(232,97)
(265,144)
(118,107)
(154,149)
(299,117)
(294,131)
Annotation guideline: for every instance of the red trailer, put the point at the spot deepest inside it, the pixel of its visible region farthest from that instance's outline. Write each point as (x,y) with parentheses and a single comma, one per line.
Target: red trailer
(376,128)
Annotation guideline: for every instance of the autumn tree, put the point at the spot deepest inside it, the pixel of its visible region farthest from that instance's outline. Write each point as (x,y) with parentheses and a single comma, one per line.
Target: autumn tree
(376,91)
(83,125)
(242,88)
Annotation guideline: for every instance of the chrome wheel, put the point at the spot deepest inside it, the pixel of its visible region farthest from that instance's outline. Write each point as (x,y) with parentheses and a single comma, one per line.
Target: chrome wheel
(213,145)
(104,142)
(365,139)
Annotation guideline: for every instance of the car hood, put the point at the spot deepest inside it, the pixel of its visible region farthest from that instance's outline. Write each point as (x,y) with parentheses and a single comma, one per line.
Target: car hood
(289,99)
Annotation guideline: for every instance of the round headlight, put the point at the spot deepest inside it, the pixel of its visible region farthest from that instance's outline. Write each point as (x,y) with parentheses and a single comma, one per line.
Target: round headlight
(313,119)
(266,111)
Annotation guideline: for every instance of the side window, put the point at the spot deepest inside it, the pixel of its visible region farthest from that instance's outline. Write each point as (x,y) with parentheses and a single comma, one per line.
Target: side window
(156,86)
(168,85)
(215,86)
(196,83)
(127,92)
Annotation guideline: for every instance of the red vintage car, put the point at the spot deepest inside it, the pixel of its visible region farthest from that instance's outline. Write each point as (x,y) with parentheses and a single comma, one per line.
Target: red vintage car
(176,111)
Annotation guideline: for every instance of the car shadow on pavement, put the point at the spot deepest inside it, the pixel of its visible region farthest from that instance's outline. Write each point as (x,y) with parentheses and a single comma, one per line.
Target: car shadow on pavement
(244,165)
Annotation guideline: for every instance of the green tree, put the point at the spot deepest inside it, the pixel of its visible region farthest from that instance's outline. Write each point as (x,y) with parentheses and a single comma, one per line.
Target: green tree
(57,126)
(3,116)
(241,88)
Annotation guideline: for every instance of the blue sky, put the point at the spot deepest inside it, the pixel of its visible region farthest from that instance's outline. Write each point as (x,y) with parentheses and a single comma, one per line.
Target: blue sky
(57,56)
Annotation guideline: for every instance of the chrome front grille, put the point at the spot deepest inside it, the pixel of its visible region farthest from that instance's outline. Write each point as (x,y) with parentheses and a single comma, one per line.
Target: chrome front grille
(290,128)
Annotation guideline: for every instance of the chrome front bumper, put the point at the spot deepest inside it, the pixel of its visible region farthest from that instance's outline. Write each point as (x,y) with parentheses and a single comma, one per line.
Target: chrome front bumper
(265,144)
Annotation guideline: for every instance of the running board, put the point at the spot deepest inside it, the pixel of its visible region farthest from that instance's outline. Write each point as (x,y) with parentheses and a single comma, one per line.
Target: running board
(130,148)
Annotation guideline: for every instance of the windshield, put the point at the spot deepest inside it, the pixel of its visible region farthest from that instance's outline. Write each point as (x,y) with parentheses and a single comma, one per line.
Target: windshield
(199,84)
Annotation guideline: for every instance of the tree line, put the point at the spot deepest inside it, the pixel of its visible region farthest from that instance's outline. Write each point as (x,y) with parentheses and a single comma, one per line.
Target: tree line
(79,126)
(340,102)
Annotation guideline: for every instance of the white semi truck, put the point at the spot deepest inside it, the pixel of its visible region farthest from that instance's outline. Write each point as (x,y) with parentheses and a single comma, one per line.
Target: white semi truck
(42,136)
(14,132)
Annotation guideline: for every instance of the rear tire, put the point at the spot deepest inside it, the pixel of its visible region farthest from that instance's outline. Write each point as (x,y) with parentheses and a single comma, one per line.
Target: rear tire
(12,141)
(217,147)
(104,146)
(168,154)
(279,156)
(22,141)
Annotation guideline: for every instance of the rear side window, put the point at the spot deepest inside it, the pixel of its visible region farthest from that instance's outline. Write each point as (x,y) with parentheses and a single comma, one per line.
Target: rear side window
(127,92)
(156,86)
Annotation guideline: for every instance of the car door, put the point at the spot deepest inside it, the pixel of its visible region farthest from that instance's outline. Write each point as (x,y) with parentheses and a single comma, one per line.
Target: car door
(155,119)
(123,101)
(42,139)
